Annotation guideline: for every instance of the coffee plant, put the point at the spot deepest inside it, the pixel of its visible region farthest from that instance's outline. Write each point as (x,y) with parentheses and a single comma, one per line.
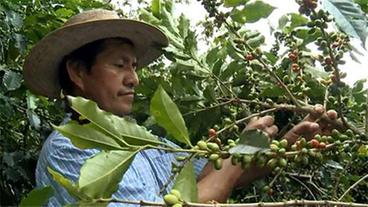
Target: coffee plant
(203,101)
(24,117)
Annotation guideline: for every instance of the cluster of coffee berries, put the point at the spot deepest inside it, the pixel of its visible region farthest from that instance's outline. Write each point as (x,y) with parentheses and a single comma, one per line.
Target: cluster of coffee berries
(173,199)
(211,8)
(307,6)
(213,152)
(319,20)
(278,148)
(293,56)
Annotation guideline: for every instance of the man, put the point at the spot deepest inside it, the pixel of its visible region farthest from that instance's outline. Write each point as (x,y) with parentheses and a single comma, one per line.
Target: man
(96,55)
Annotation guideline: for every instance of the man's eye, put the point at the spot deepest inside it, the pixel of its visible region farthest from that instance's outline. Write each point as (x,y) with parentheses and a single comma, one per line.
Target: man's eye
(119,65)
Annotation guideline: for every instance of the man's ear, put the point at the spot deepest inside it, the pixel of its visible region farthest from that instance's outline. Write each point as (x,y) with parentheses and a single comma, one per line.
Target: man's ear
(76,71)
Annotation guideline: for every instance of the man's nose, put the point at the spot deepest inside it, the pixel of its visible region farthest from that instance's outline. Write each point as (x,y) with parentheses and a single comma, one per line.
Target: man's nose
(131,80)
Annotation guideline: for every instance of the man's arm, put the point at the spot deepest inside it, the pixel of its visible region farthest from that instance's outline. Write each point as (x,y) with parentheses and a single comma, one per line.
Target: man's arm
(218,184)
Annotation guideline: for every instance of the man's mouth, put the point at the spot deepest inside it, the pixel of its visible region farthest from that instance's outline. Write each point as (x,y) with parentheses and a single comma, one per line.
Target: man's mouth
(129,93)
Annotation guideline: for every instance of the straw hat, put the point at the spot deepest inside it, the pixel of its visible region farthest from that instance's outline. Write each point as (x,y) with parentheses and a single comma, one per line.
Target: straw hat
(42,64)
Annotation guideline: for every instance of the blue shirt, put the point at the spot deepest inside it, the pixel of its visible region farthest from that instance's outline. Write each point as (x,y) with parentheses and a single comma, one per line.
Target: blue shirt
(143,180)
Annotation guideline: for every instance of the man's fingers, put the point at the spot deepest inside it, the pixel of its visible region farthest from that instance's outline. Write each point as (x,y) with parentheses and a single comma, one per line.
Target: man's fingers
(306,129)
(265,121)
(272,130)
(318,110)
(260,122)
(332,114)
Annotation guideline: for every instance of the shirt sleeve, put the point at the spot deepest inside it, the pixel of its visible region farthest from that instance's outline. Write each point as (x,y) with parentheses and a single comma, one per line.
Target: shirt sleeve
(61,156)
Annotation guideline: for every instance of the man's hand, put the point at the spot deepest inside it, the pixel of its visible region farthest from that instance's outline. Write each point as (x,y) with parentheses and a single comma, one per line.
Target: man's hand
(265,123)
(310,126)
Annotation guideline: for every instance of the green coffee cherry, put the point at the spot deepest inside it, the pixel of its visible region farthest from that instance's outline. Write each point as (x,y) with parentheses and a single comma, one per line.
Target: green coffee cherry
(274,147)
(228,120)
(218,164)
(234,160)
(213,147)
(282,162)
(247,159)
(335,134)
(349,133)
(305,160)
(317,137)
(175,193)
(177,205)
(272,163)
(282,151)
(284,143)
(343,137)
(202,145)
(214,157)
(171,199)
(275,142)
(266,188)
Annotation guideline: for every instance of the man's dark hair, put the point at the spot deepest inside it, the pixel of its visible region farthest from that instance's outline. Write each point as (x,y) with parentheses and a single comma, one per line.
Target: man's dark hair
(83,56)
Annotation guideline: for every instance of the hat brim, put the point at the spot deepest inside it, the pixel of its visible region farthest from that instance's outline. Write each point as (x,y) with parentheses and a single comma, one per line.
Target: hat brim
(42,64)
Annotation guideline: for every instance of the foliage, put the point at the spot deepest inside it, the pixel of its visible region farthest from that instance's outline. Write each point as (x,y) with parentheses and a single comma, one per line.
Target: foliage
(206,99)
(24,117)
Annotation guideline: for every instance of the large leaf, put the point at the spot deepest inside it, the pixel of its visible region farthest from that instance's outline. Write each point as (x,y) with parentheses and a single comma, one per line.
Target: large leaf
(251,141)
(233,3)
(12,80)
(183,25)
(37,197)
(67,184)
(156,7)
(88,136)
(122,129)
(186,183)
(100,175)
(349,17)
(256,10)
(168,116)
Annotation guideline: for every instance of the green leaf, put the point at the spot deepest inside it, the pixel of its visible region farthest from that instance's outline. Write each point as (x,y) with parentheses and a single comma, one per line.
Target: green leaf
(363,150)
(168,21)
(37,197)
(88,136)
(315,72)
(233,3)
(183,26)
(238,16)
(100,175)
(272,91)
(256,41)
(358,86)
(156,7)
(256,10)
(231,69)
(251,141)
(67,184)
(283,21)
(148,17)
(122,129)
(334,164)
(12,80)
(297,20)
(349,17)
(168,116)
(186,183)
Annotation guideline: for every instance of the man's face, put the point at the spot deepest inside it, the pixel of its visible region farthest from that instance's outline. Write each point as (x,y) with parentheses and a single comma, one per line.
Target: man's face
(112,78)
